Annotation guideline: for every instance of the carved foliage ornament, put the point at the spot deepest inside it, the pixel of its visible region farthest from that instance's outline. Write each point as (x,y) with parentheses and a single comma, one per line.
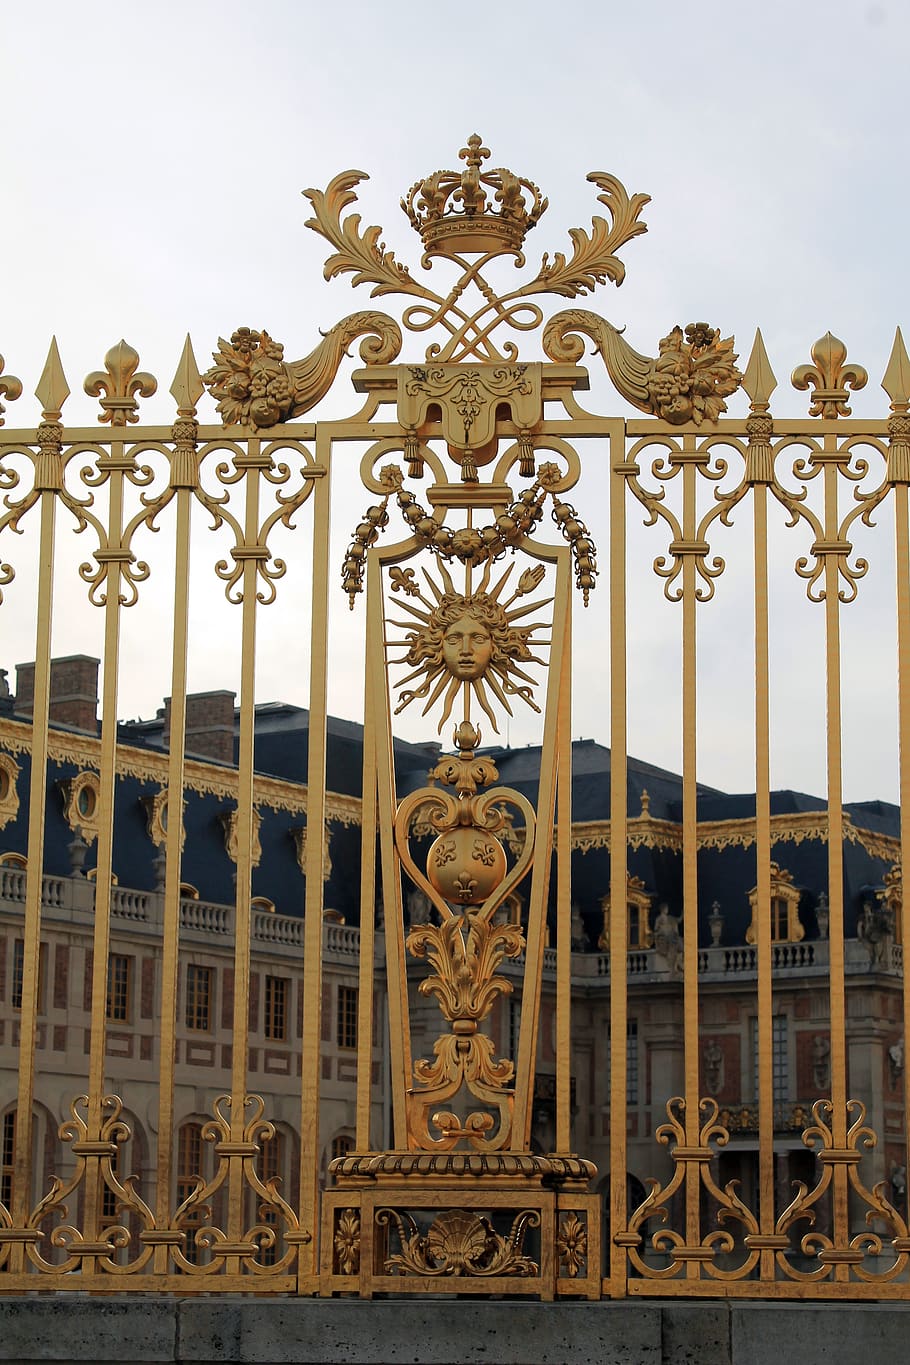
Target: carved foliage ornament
(9,795)
(459,1243)
(81,803)
(479,213)
(253,385)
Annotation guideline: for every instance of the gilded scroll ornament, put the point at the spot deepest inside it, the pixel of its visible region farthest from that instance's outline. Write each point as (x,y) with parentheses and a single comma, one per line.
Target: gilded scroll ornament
(481,213)
(891,1252)
(9,794)
(81,803)
(253,385)
(230,824)
(687,382)
(458,1243)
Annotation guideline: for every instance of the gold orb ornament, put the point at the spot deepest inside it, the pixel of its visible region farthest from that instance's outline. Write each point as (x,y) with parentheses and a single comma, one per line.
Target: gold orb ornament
(465,865)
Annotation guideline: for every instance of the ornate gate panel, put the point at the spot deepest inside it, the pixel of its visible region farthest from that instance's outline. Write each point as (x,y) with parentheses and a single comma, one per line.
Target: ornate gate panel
(469,555)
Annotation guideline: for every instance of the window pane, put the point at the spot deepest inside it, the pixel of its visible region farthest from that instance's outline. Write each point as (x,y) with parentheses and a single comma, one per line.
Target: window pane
(347,1016)
(198,997)
(118,986)
(276,999)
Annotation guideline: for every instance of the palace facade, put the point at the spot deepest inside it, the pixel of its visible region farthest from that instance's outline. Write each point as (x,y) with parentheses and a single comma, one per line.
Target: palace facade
(726,955)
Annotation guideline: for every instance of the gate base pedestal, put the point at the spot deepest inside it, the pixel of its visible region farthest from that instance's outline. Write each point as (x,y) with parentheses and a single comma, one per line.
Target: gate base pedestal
(502,1223)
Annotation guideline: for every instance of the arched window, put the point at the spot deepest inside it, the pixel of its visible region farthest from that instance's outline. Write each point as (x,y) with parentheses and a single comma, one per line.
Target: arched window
(271,1167)
(342,1145)
(189,1168)
(17,860)
(7,1155)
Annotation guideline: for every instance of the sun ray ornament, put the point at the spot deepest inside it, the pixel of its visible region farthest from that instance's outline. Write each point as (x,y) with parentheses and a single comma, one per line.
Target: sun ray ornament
(471,643)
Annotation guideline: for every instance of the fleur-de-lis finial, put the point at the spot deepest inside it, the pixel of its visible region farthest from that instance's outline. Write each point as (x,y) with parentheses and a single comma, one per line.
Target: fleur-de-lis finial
(829,378)
(119,382)
(475,152)
(10,387)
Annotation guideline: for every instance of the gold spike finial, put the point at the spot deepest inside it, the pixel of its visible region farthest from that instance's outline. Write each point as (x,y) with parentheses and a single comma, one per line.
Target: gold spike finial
(52,389)
(896,381)
(759,380)
(187,387)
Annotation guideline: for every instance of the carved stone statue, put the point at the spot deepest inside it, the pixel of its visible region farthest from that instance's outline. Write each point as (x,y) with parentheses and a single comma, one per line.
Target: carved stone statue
(875,928)
(418,907)
(667,938)
(713,1060)
(896,1062)
(821,1062)
(579,937)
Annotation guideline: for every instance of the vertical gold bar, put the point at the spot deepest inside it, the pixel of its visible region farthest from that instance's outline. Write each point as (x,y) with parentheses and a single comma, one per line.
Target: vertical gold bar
(170,947)
(399,1021)
(835,860)
(564,905)
(367,923)
(315,824)
(104,875)
(28,1015)
(690,860)
(902,555)
(242,920)
(763,877)
(618,855)
(540,876)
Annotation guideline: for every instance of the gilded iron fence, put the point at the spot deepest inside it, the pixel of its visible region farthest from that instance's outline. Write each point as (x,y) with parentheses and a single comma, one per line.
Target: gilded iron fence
(453,1196)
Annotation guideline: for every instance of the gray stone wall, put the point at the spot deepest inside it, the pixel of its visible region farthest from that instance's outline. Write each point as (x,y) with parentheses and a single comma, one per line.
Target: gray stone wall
(203,1331)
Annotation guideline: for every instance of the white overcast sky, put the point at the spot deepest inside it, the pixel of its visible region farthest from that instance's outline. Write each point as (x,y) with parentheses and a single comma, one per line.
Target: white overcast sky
(151,168)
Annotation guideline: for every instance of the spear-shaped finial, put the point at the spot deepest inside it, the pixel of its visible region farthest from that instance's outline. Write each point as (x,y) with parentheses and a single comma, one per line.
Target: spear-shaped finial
(52,389)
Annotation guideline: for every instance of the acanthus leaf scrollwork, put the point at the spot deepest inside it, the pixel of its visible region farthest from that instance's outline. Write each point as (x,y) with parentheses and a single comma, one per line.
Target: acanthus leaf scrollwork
(459,1243)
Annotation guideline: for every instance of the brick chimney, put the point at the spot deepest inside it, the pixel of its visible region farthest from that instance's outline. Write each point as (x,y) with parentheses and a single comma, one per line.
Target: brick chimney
(74,691)
(209,725)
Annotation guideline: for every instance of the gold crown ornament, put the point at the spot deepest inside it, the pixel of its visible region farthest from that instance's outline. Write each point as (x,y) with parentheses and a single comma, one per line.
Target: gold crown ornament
(454,214)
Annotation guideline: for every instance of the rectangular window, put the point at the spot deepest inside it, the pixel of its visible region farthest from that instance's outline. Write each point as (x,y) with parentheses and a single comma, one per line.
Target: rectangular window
(780,1058)
(189,1166)
(276,1008)
(19,974)
(18,965)
(632,1066)
(119,974)
(271,1165)
(109,1210)
(514,1008)
(632,1062)
(7,1154)
(199,997)
(347,1016)
(780,928)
